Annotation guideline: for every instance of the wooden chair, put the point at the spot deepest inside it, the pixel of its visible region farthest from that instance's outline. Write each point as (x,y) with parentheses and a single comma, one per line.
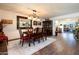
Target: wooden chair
(44,33)
(26,37)
(31,36)
(23,37)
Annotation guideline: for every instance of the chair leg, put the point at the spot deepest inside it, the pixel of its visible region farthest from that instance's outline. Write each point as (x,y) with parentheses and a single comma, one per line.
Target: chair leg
(33,43)
(22,42)
(45,38)
(29,41)
(29,44)
(38,40)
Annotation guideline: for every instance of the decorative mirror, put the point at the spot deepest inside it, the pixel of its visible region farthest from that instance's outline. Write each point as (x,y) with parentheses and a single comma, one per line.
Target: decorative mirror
(23,22)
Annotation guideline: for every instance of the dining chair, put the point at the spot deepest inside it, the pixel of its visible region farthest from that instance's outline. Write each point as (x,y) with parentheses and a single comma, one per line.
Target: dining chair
(24,37)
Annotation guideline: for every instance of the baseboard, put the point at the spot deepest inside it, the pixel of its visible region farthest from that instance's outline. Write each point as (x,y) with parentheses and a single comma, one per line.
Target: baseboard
(13,39)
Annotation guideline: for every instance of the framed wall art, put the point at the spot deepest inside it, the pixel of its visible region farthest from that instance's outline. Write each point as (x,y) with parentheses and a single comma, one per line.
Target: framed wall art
(23,22)
(36,23)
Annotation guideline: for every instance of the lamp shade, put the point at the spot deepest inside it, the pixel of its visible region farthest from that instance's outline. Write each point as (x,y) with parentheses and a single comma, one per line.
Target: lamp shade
(34,19)
(38,19)
(30,17)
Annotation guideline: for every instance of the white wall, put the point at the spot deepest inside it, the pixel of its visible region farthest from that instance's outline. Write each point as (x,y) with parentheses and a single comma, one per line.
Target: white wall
(11,29)
(73,16)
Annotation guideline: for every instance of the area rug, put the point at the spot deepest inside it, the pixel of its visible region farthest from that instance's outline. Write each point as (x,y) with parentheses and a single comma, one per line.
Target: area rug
(14,48)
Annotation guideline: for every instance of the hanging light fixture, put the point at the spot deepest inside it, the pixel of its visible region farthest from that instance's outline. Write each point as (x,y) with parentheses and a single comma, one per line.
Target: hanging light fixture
(38,19)
(34,17)
(30,17)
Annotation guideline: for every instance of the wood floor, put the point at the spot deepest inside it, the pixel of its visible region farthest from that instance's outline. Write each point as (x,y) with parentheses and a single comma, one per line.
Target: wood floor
(65,44)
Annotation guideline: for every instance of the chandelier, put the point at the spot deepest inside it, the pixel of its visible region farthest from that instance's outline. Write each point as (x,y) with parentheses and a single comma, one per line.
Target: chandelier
(34,16)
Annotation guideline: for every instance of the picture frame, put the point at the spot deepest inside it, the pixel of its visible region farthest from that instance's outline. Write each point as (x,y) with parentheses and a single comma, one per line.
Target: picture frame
(23,22)
(39,23)
(36,23)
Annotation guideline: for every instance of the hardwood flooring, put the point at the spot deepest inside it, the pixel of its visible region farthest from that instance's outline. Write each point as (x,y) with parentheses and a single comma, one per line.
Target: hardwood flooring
(65,44)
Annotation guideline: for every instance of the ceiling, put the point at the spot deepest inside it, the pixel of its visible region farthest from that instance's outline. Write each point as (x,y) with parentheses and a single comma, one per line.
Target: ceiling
(44,10)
